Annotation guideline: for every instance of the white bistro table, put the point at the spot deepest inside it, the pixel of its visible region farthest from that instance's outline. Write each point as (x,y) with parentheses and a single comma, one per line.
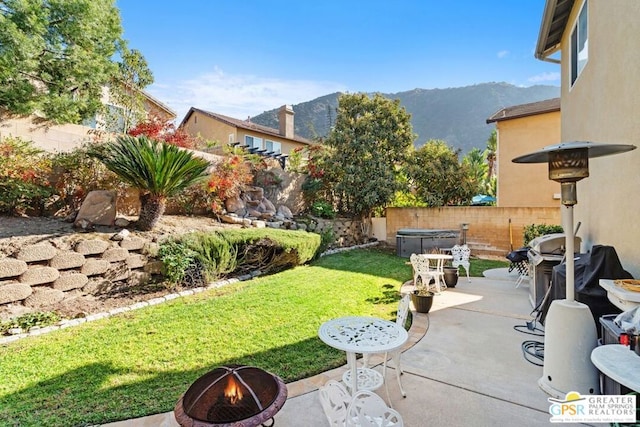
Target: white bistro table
(439,268)
(357,334)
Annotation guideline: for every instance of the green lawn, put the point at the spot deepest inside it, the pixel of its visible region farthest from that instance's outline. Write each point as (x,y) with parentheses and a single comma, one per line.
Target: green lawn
(140,362)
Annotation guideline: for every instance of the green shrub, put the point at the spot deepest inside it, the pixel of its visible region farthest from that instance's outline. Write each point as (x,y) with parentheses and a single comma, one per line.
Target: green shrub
(327,237)
(220,253)
(24,177)
(217,255)
(536,230)
(29,320)
(323,210)
(178,259)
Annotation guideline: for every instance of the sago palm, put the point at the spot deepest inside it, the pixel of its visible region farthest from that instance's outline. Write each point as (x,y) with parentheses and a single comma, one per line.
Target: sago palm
(157,169)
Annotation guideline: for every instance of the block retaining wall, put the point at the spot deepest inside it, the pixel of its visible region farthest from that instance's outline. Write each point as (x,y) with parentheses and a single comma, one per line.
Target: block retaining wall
(41,274)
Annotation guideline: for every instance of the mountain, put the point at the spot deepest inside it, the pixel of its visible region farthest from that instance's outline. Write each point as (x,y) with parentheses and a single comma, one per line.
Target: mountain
(456,115)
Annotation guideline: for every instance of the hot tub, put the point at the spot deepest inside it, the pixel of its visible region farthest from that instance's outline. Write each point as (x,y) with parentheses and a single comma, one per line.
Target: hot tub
(421,240)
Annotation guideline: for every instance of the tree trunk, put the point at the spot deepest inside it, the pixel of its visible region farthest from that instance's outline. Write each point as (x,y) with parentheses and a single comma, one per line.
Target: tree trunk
(151,209)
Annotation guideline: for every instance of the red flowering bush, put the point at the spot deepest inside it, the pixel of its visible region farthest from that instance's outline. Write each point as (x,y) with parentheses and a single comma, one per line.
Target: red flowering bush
(156,128)
(230,178)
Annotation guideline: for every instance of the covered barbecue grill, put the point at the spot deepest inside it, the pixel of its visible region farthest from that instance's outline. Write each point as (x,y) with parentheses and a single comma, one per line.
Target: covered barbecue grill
(601,263)
(545,252)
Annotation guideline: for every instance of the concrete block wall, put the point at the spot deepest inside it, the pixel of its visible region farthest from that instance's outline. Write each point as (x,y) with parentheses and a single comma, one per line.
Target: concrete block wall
(41,274)
(489,231)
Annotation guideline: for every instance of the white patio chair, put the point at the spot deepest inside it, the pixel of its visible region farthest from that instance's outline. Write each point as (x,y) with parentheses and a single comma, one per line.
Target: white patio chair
(367,409)
(425,272)
(335,400)
(461,255)
(401,319)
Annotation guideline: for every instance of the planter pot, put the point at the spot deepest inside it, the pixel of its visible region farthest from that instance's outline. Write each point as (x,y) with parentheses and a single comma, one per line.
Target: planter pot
(451,276)
(422,303)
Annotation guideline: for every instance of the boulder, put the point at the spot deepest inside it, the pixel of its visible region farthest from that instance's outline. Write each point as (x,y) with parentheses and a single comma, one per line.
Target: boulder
(285,212)
(98,208)
(256,193)
(234,204)
(268,206)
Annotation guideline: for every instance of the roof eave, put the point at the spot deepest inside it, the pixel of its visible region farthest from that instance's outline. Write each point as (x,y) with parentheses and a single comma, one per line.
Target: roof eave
(552,27)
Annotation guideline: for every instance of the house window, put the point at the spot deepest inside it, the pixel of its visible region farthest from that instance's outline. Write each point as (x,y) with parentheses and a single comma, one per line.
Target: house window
(274,146)
(231,138)
(253,142)
(579,44)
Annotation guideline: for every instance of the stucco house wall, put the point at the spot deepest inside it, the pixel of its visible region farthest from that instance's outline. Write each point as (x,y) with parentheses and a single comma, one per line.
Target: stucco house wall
(603,106)
(66,137)
(526,185)
(227,130)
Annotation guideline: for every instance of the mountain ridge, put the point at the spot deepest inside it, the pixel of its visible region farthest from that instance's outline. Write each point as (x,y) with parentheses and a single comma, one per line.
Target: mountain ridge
(456,115)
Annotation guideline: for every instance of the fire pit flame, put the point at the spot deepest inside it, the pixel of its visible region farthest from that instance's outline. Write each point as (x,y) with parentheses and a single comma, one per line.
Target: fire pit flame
(232,391)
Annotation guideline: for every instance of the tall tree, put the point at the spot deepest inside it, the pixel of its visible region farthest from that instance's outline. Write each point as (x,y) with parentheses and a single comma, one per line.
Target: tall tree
(125,92)
(478,169)
(371,136)
(491,154)
(55,56)
(438,177)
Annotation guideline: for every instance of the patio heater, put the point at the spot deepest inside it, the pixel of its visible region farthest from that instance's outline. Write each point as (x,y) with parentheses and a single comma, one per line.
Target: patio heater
(570,332)
(465,227)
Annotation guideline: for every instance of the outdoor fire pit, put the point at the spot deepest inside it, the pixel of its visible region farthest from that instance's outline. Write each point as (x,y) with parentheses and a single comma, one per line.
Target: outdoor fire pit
(238,396)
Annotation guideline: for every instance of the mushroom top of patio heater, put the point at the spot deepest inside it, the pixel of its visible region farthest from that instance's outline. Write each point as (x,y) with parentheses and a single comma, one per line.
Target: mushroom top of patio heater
(593,150)
(569,161)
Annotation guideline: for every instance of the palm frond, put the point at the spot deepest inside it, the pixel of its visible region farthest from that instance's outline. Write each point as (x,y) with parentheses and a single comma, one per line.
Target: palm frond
(156,167)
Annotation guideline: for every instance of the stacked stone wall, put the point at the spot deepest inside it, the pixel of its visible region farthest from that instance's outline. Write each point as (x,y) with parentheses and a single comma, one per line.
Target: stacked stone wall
(39,275)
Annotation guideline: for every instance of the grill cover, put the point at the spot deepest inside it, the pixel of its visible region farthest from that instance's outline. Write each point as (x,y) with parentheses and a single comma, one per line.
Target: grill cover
(601,263)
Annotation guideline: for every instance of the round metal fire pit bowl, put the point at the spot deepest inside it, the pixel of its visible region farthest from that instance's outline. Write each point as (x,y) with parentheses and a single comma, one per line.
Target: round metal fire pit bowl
(231,396)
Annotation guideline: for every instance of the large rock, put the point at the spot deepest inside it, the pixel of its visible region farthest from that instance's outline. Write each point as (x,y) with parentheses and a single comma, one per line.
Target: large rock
(98,208)
(285,212)
(256,193)
(234,205)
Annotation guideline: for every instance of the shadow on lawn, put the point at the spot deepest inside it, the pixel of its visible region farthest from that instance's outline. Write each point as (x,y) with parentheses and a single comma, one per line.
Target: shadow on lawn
(83,396)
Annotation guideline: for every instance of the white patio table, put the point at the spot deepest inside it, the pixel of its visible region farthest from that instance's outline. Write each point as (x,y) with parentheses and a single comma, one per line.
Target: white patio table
(439,268)
(358,334)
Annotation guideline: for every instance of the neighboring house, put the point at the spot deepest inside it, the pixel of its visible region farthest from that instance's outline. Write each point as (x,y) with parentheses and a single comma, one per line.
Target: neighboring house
(227,130)
(66,137)
(596,43)
(523,129)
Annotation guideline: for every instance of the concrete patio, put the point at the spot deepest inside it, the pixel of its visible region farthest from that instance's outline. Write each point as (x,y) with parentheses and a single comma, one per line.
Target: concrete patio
(464,366)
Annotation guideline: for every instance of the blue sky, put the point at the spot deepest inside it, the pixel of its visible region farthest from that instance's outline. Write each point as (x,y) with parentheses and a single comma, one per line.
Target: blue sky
(241,58)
